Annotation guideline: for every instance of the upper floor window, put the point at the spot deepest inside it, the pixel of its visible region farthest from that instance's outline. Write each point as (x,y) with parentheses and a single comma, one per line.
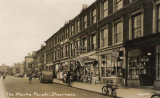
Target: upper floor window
(104,37)
(118,32)
(78,26)
(85,21)
(94,16)
(62,52)
(71,49)
(84,44)
(55,40)
(55,55)
(67,34)
(59,39)
(77,44)
(66,50)
(105,8)
(136,26)
(158,18)
(118,4)
(93,41)
(72,29)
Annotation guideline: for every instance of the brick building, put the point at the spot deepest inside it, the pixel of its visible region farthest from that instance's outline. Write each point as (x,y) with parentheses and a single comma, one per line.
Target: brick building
(110,40)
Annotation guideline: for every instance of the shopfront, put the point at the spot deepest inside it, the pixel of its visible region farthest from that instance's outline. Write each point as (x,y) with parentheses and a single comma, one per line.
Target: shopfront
(143,61)
(141,67)
(86,69)
(112,66)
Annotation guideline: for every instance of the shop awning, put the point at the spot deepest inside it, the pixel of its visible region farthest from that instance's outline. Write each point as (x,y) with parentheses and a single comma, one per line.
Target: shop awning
(85,60)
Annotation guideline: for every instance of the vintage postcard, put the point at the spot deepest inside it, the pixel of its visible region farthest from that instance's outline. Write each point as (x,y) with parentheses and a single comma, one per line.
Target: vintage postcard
(80,49)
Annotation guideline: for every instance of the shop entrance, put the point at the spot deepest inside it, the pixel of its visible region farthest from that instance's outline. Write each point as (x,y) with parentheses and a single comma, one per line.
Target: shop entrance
(141,66)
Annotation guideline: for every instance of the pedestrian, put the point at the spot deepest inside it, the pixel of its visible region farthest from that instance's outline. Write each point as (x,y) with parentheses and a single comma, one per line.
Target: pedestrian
(70,81)
(30,78)
(4,76)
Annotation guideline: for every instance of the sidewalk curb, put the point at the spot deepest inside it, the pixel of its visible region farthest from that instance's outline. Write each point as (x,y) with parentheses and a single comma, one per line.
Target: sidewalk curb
(76,87)
(85,90)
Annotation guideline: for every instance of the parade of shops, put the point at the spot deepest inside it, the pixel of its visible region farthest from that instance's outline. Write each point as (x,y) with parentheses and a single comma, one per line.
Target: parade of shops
(110,40)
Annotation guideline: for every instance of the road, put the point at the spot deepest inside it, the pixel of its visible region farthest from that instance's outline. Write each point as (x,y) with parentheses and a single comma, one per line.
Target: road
(16,87)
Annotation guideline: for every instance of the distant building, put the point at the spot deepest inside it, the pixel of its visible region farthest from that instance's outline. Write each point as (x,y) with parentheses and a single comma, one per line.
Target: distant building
(4,69)
(28,64)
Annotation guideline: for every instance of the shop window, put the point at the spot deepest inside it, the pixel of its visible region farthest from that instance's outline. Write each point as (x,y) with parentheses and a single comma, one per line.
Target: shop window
(110,67)
(105,8)
(136,26)
(104,37)
(118,32)
(138,64)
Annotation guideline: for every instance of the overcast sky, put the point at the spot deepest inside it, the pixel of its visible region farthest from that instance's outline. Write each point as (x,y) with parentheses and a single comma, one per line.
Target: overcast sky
(26,24)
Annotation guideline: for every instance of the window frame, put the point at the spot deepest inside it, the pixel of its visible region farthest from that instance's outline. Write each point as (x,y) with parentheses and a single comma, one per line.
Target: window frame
(101,40)
(115,3)
(78,26)
(94,16)
(138,27)
(92,41)
(116,33)
(104,10)
(84,21)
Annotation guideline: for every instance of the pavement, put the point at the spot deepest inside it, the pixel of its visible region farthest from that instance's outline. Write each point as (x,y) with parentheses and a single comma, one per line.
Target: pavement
(122,92)
(2,89)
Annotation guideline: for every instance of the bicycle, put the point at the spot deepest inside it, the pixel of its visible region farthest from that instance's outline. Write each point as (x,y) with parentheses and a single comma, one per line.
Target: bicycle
(155,95)
(109,89)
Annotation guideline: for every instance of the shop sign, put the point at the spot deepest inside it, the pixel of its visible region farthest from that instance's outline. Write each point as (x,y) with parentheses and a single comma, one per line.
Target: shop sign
(115,54)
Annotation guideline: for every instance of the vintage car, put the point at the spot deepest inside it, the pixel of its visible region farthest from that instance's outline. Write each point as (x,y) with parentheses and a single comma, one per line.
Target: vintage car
(46,76)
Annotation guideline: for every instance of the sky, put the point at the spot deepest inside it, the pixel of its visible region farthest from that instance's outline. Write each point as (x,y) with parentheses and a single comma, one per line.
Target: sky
(26,24)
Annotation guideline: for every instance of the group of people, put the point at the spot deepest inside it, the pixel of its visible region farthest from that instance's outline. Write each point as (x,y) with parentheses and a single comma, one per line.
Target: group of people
(67,77)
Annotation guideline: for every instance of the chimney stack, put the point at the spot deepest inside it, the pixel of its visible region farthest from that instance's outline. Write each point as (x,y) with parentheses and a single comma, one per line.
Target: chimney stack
(84,6)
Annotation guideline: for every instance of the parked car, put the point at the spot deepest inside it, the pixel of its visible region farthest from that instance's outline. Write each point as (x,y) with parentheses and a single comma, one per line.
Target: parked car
(46,76)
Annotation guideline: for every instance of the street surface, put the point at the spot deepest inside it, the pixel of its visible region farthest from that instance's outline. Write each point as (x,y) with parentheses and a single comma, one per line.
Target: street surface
(17,87)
